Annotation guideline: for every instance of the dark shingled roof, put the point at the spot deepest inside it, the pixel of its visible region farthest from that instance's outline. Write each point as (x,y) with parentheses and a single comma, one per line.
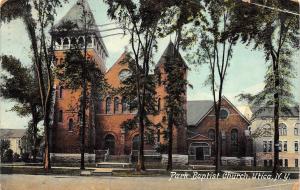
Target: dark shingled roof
(196,110)
(74,15)
(168,53)
(12,133)
(269,112)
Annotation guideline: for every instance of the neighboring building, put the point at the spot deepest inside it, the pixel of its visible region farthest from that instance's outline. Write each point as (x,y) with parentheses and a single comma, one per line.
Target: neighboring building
(106,131)
(201,130)
(14,136)
(262,131)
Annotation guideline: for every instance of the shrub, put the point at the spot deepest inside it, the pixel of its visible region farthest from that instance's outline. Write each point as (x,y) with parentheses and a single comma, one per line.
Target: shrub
(16,157)
(8,156)
(25,157)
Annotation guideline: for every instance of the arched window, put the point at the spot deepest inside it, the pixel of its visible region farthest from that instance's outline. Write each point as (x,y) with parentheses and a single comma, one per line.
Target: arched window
(89,42)
(116,104)
(58,43)
(135,142)
(296,129)
(107,105)
(73,42)
(211,134)
(80,42)
(61,91)
(282,129)
(158,104)
(234,140)
(66,43)
(109,143)
(124,104)
(60,116)
(71,124)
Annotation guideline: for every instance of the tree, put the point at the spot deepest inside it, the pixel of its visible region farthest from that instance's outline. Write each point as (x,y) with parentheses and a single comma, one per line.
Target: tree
(140,19)
(4,145)
(175,85)
(128,89)
(79,72)
(215,43)
(42,57)
(19,84)
(276,33)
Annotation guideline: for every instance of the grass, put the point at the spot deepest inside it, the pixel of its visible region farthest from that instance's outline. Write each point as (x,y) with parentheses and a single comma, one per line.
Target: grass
(39,171)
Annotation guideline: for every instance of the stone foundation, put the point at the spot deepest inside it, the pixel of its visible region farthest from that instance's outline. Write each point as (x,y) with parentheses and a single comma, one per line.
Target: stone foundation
(179,159)
(71,158)
(235,161)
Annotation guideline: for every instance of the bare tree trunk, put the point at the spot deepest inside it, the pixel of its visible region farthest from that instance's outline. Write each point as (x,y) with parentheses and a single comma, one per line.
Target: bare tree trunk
(141,160)
(276,124)
(170,142)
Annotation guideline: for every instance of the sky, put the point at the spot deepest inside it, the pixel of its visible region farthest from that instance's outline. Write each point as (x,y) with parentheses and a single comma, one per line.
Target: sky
(245,74)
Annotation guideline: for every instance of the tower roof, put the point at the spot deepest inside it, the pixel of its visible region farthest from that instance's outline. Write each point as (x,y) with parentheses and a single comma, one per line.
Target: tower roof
(74,22)
(75,16)
(169,52)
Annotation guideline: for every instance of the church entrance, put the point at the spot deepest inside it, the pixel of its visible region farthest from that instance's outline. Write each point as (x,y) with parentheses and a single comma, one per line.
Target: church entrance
(199,153)
(110,144)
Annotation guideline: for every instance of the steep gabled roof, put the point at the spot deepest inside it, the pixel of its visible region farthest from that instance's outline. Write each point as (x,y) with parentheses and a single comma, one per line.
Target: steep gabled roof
(196,110)
(75,14)
(12,133)
(169,52)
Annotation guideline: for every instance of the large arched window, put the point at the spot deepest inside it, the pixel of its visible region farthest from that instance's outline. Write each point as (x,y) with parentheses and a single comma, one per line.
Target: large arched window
(211,134)
(60,116)
(282,129)
(110,143)
(61,91)
(135,142)
(71,124)
(124,104)
(107,105)
(73,42)
(116,105)
(234,140)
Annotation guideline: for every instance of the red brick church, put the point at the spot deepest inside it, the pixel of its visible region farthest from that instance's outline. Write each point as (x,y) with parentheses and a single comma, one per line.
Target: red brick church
(104,131)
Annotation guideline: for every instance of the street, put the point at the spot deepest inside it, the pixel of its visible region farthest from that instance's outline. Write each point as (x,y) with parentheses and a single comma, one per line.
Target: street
(43,182)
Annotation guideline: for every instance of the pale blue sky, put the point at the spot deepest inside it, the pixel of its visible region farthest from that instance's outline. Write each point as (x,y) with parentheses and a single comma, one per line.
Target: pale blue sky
(245,74)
